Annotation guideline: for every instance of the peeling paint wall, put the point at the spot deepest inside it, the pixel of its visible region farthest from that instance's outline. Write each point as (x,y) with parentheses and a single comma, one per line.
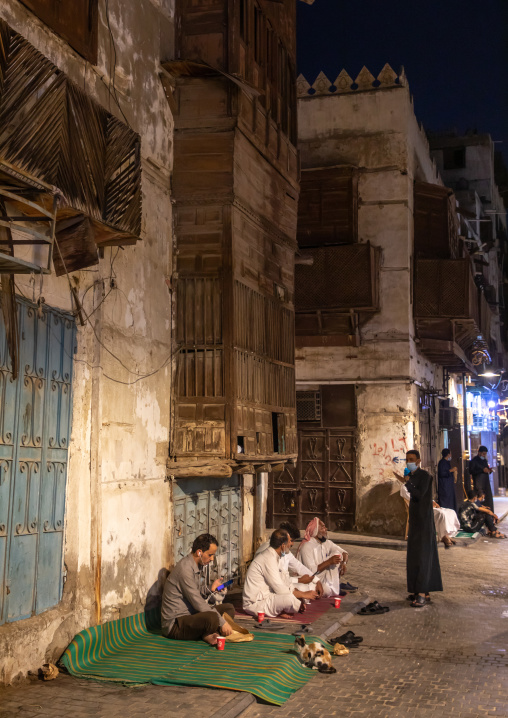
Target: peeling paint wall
(118,512)
(377,132)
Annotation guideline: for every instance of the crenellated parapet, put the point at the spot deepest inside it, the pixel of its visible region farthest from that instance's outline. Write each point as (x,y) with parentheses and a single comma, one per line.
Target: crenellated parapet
(344,83)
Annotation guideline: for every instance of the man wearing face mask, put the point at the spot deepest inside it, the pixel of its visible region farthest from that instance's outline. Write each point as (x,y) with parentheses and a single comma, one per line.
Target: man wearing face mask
(422,563)
(190,610)
(265,590)
(446,479)
(480,472)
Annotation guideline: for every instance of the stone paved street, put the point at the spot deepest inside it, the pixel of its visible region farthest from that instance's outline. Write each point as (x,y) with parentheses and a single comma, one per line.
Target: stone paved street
(448,659)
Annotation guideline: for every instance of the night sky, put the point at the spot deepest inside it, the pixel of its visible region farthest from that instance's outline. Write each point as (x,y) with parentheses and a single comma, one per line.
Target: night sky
(455,53)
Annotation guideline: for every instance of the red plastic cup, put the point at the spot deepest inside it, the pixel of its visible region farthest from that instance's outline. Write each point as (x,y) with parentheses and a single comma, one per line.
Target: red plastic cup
(337,602)
(261,617)
(221,643)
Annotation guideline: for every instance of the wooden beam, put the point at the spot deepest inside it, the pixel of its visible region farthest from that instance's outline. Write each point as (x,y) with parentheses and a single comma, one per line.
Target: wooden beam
(245,469)
(219,470)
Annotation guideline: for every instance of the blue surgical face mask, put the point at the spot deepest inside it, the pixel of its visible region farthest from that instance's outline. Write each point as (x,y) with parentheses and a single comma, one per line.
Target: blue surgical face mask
(283,553)
(412,466)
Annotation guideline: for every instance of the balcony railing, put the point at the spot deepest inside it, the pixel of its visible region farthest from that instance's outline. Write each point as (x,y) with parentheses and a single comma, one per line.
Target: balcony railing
(445,288)
(341,278)
(450,312)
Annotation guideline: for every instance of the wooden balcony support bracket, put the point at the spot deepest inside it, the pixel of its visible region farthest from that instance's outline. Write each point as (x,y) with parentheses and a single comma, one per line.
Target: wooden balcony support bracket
(221,468)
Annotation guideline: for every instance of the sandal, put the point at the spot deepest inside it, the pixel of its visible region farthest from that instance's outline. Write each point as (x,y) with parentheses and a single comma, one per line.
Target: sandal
(418,602)
(497,535)
(348,587)
(373,609)
(347,639)
(412,596)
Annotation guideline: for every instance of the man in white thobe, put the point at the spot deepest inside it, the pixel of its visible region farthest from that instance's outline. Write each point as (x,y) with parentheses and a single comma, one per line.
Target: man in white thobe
(293,571)
(265,589)
(323,558)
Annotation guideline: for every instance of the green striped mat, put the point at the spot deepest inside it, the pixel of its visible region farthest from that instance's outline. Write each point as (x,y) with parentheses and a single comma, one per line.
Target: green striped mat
(126,651)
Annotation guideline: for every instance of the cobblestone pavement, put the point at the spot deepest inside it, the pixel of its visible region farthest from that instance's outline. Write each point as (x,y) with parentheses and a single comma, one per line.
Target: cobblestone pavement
(447,659)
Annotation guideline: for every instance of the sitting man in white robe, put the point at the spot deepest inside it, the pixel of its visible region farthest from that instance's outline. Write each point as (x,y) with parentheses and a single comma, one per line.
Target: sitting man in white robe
(292,570)
(265,590)
(323,558)
(446,521)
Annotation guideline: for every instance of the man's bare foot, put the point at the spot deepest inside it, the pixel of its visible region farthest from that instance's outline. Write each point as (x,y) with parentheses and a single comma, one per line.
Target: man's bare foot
(211,638)
(285,615)
(302,607)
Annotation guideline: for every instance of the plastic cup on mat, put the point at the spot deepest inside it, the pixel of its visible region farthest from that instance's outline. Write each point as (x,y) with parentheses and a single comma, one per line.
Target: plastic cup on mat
(261,617)
(221,643)
(337,602)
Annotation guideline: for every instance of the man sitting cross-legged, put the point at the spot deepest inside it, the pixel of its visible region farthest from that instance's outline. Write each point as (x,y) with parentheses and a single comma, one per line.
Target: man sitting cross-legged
(190,610)
(265,590)
(473,519)
(292,570)
(322,557)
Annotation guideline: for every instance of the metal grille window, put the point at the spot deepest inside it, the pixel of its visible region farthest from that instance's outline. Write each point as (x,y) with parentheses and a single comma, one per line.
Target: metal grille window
(308,406)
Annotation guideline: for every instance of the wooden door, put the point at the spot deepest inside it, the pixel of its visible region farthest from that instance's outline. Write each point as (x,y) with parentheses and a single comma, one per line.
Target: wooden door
(322,483)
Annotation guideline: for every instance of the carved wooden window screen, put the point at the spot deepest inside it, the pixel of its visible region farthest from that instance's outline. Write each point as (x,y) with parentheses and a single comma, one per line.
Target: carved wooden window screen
(340,278)
(52,130)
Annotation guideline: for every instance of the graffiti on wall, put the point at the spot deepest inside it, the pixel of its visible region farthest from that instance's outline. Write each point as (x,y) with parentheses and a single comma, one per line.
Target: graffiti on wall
(389,456)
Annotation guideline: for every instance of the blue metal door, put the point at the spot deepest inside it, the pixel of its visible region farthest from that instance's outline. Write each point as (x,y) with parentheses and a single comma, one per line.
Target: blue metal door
(35,416)
(209,506)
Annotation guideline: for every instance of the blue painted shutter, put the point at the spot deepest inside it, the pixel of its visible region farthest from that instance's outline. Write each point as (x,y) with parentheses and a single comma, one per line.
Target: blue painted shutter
(39,410)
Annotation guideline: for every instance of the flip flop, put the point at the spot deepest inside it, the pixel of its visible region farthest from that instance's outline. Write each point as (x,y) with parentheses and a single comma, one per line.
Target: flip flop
(351,642)
(348,636)
(382,609)
(372,610)
(302,630)
(271,627)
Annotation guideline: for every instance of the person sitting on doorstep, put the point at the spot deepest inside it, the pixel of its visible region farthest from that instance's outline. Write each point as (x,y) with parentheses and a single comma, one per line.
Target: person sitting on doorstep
(322,557)
(289,564)
(472,519)
(190,610)
(265,590)
(480,506)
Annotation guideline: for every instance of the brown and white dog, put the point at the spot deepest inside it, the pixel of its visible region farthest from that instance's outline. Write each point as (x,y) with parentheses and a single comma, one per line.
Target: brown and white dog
(314,656)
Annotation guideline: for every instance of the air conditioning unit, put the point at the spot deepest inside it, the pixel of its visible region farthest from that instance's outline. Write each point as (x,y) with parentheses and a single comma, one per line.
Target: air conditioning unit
(448,417)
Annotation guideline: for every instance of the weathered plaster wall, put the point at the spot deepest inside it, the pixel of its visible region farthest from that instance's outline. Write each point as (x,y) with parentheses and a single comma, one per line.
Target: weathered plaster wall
(377,132)
(118,512)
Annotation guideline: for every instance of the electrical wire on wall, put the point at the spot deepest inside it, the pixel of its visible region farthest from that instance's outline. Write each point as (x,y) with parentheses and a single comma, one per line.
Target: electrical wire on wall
(80,308)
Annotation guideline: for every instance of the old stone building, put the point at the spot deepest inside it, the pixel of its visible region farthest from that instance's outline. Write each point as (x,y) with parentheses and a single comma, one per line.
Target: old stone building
(387,309)
(85,330)
(149,204)
(467,164)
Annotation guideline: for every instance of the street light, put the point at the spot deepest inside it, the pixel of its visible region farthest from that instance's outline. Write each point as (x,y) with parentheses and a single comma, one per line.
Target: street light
(489,373)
